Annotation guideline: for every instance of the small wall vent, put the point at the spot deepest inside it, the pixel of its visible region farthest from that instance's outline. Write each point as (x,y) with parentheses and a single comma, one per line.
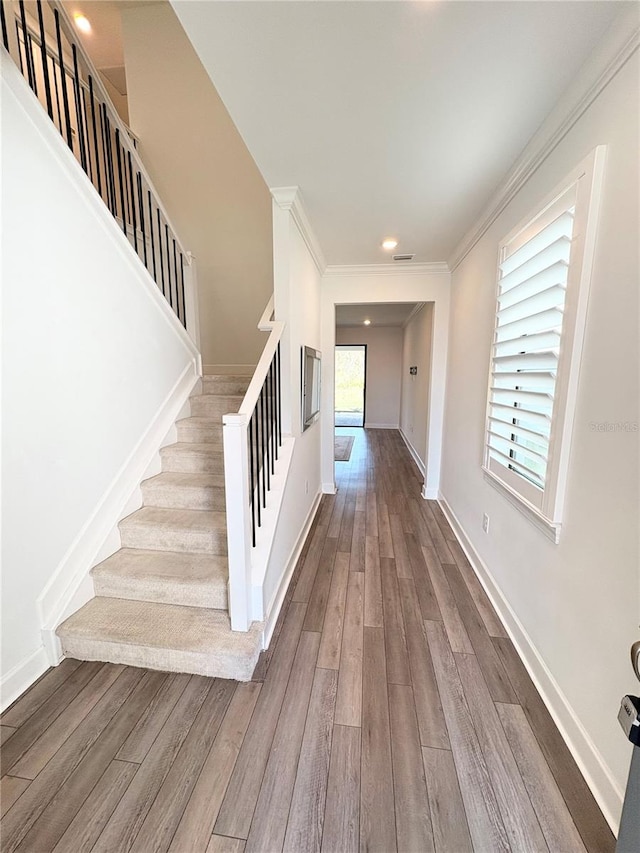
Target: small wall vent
(403,257)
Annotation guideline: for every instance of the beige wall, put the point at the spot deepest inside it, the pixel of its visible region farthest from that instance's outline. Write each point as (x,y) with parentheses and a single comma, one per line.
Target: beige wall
(384,366)
(573,606)
(416,351)
(207,180)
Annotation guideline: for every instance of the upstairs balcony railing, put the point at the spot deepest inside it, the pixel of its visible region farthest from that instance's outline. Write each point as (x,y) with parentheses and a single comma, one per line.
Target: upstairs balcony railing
(42,41)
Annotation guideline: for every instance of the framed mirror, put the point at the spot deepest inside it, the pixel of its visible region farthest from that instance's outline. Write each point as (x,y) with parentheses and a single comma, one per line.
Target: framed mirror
(311,364)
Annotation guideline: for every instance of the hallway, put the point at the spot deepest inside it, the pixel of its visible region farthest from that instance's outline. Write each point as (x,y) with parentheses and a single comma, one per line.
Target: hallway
(390,713)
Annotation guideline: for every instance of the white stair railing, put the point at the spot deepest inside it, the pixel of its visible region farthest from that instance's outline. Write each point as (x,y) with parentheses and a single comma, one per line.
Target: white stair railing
(252,441)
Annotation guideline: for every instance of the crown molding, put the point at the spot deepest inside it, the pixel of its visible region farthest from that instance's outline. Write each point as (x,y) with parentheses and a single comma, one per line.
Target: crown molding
(620,49)
(416,309)
(395,269)
(290,198)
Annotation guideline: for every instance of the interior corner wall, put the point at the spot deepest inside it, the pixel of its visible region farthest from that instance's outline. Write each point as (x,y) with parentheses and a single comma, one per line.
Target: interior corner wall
(297,304)
(416,352)
(573,607)
(208,181)
(383,372)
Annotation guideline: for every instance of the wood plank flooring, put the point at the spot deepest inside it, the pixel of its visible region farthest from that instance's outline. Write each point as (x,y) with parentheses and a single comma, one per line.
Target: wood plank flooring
(391,713)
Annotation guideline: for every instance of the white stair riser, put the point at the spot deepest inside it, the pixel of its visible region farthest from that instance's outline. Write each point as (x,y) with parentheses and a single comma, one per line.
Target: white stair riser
(210,406)
(183,497)
(201,434)
(183,462)
(188,595)
(161,538)
(217,385)
(166,660)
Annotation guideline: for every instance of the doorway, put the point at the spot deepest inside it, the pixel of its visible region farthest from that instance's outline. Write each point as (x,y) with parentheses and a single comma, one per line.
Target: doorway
(350,384)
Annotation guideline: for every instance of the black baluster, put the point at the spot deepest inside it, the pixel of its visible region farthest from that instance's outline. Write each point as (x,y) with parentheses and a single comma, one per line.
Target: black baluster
(279,400)
(153,242)
(141,209)
(55,86)
(166,235)
(257,431)
(76,89)
(134,218)
(45,65)
(85,131)
(27,56)
(120,181)
(160,250)
(95,132)
(184,307)
(175,277)
(265,469)
(265,391)
(63,78)
(108,159)
(251,484)
(3,22)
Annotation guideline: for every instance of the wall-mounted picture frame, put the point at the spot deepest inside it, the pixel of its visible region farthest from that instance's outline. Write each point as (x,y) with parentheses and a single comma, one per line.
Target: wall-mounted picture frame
(310,396)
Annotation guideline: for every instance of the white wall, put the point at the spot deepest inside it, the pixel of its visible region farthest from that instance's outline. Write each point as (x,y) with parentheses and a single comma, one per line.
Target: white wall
(92,360)
(384,366)
(297,303)
(352,285)
(206,177)
(414,410)
(572,607)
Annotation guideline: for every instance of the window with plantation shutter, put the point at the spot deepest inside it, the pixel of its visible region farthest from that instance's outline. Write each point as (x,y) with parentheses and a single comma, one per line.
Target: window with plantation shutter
(542,291)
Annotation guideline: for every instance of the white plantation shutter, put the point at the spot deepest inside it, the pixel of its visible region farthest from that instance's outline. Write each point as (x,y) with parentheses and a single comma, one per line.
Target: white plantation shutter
(532,288)
(541,309)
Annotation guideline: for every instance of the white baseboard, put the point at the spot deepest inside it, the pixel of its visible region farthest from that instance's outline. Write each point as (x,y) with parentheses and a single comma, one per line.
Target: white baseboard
(275,605)
(593,767)
(429,494)
(414,454)
(22,676)
(329,489)
(229,369)
(70,585)
(380,426)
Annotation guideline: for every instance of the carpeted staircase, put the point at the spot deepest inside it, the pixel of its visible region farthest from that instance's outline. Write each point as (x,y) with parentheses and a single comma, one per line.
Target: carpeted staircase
(161,600)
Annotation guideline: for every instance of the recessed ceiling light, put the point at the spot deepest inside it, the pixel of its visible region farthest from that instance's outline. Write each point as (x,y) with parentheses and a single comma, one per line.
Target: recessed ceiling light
(367,322)
(82,22)
(389,243)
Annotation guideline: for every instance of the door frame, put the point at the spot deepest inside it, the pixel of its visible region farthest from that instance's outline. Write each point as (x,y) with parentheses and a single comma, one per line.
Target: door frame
(364,381)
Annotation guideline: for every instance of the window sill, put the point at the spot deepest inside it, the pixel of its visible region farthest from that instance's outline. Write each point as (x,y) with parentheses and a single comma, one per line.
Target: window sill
(551,529)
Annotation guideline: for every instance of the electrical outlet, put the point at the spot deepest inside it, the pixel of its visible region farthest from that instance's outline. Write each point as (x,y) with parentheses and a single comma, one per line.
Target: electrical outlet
(306,487)
(485,523)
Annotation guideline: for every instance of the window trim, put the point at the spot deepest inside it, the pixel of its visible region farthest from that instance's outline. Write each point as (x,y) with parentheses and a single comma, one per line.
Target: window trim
(544,507)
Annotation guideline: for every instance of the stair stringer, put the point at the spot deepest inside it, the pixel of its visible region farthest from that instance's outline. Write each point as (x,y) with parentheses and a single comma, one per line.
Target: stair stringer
(71,585)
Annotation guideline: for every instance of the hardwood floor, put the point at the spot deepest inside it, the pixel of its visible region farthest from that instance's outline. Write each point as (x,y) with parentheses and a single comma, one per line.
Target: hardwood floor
(391,713)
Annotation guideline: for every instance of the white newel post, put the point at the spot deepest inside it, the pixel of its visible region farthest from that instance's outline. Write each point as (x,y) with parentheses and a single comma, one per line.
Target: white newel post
(191,299)
(236,478)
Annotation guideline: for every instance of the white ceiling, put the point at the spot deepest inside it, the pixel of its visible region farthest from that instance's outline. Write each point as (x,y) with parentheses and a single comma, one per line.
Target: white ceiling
(380,314)
(394,118)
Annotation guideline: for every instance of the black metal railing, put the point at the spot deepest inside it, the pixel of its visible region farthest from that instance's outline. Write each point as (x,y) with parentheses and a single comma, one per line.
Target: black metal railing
(42,42)
(264,436)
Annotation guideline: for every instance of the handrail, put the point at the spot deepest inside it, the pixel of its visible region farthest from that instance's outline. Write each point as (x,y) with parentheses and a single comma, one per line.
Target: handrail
(65,80)
(252,438)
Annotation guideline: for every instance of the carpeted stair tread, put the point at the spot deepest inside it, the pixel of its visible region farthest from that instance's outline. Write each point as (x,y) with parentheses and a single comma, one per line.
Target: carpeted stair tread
(161,529)
(185,490)
(168,577)
(161,636)
(215,405)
